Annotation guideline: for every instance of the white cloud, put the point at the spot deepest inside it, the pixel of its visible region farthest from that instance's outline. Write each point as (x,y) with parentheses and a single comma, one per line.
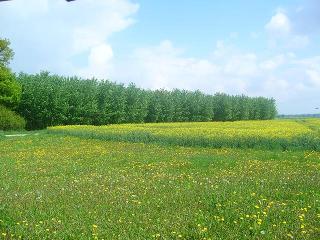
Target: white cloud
(241,65)
(279,25)
(281,33)
(273,63)
(99,62)
(165,66)
(100,55)
(314,77)
(106,18)
(57,33)
(23,9)
(228,69)
(311,67)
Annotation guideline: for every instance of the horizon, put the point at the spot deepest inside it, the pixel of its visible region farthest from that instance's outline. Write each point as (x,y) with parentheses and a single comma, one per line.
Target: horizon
(257,49)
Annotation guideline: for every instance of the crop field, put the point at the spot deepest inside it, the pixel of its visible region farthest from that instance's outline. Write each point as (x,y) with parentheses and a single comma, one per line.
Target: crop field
(235,180)
(270,134)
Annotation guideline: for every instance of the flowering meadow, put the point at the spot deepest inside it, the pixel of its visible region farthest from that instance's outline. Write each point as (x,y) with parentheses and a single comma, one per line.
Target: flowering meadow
(67,184)
(268,134)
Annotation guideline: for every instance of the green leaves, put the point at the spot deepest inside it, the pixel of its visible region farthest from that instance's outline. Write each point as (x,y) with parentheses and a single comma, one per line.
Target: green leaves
(6,53)
(9,120)
(49,100)
(10,90)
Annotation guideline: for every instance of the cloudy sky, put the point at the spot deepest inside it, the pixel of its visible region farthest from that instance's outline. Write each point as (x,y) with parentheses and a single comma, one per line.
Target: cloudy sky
(258,48)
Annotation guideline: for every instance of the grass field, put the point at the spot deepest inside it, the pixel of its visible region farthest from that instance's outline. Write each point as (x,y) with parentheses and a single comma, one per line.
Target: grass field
(70,183)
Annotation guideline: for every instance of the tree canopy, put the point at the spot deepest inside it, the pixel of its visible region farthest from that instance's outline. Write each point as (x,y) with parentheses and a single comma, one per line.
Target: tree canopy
(49,100)
(10,90)
(6,53)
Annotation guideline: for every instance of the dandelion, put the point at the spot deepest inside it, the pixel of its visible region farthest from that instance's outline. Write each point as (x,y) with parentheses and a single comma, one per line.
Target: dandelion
(204,229)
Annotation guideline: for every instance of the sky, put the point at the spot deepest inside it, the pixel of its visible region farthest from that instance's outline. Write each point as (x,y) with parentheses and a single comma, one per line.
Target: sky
(257,48)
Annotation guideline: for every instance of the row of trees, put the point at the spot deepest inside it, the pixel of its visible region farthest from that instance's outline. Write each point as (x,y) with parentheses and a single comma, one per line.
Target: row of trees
(54,100)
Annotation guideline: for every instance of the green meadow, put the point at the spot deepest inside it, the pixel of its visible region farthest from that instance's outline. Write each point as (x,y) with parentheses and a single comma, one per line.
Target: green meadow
(60,186)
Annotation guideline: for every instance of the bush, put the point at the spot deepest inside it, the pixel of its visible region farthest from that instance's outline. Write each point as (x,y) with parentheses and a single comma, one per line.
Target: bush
(10,120)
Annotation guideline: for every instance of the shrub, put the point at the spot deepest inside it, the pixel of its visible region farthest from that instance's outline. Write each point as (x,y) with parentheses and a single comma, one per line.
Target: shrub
(10,120)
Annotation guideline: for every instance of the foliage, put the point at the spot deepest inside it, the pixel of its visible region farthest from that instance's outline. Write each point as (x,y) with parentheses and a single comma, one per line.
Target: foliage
(10,90)
(62,187)
(6,53)
(9,120)
(49,100)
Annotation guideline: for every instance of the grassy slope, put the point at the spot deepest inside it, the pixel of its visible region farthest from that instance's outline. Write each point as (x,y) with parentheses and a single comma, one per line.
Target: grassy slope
(61,187)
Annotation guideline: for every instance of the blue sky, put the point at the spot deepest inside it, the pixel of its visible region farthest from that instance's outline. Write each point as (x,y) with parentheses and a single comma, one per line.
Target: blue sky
(257,48)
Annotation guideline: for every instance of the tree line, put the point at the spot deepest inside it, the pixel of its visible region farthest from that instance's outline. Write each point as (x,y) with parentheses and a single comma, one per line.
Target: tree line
(49,100)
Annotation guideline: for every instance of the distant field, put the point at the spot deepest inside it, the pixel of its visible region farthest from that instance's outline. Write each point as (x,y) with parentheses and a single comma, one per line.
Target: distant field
(270,134)
(58,186)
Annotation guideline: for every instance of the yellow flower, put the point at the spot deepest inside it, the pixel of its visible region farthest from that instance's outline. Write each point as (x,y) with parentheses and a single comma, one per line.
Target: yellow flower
(290,235)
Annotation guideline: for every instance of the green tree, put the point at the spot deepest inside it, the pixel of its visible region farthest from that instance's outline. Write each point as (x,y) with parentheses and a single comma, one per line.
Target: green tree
(10,90)
(222,107)
(56,100)
(136,104)
(6,53)
(154,107)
